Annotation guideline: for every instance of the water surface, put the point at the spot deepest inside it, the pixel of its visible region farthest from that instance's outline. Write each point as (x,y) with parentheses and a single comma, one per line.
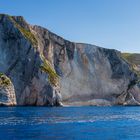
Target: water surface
(70,123)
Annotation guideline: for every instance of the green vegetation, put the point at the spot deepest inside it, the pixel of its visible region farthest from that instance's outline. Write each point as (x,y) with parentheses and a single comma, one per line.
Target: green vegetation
(134,60)
(4,80)
(27,33)
(46,67)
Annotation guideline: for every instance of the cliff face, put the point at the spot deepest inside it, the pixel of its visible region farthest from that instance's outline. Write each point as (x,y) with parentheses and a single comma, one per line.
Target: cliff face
(46,69)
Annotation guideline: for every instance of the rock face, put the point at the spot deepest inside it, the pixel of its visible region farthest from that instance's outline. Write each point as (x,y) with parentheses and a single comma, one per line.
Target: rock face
(46,69)
(7,92)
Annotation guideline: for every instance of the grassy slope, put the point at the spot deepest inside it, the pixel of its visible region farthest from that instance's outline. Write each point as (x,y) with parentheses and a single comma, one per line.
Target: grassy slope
(134,60)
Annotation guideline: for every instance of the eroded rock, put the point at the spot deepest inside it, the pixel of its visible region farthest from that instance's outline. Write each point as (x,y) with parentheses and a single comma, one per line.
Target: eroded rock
(7,92)
(47,70)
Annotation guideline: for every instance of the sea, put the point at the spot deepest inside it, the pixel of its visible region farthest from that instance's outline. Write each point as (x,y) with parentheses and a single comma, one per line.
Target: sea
(70,123)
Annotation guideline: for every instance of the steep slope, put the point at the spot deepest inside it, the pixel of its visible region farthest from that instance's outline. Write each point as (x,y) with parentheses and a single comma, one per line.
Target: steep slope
(21,60)
(48,70)
(134,60)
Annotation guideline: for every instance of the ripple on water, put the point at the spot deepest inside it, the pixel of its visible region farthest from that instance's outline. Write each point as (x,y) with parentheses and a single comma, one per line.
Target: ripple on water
(52,120)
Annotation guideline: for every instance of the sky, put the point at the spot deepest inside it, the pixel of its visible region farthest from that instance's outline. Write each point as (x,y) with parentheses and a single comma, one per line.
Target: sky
(111,24)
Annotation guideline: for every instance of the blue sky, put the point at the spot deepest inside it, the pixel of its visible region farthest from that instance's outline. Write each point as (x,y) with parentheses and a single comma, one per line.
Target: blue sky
(106,23)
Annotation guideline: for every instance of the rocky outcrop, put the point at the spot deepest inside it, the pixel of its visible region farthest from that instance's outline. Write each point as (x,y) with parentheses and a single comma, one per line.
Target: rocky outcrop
(22,61)
(7,92)
(46,69)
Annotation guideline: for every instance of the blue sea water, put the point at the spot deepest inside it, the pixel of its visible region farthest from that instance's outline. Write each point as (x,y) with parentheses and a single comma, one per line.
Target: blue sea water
(70,123)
